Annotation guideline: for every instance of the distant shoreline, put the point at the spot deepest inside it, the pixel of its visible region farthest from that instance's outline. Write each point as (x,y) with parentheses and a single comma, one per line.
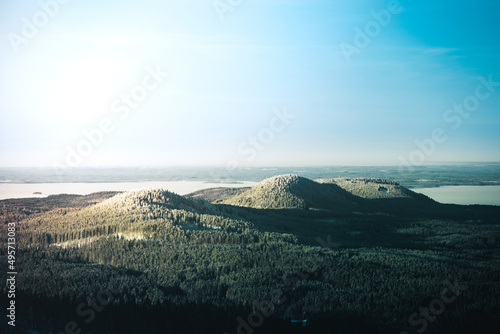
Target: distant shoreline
(464,194)
(23,182)
(29,190)
(451,194)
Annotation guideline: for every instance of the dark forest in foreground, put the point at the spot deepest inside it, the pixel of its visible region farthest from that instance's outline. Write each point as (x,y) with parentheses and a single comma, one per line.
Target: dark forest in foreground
(289,255)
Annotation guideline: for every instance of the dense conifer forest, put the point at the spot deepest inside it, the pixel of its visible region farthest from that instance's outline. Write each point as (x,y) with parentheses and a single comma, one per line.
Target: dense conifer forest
(290,255)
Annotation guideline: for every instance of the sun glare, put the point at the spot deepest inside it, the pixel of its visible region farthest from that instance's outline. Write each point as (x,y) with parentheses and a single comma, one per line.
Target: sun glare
(82,91)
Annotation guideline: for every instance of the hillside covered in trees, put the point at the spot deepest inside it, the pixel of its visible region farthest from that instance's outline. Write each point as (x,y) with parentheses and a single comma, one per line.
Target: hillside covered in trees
(288,255)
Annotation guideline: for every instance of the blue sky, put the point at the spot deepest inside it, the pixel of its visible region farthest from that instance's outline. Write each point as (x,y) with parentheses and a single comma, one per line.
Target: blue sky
(254,83)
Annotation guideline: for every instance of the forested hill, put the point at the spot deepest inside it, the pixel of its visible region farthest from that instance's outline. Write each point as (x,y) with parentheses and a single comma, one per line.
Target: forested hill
(372,188)
(292,192)
(19,208)
(214,194)
(152,214)
(339,195)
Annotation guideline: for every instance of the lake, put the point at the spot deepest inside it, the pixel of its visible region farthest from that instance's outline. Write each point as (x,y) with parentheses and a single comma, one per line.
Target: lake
(488,195)
(25,190)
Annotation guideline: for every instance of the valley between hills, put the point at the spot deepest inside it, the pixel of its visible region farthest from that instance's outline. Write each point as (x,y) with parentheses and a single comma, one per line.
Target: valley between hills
(289,255)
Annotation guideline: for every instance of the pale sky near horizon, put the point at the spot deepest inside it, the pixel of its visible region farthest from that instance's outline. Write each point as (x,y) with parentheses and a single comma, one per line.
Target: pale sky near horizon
(362,82)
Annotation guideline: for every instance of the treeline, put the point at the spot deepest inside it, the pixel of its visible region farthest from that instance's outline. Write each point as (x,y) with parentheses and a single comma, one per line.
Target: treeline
(382,286)
(21,208)
(149,215)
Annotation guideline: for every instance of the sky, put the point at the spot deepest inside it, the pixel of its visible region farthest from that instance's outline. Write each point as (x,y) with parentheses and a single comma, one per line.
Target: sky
(241,83)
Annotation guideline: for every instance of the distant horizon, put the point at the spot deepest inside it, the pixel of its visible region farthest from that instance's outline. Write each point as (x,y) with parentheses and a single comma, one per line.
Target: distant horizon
(477,183)
(430,163)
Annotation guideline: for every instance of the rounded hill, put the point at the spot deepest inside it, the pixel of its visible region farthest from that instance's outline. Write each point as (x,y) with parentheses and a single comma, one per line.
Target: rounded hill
(291,192)
(374,188)
(153,197)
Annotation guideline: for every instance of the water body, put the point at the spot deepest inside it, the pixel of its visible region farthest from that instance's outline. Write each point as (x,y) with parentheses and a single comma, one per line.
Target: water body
(487,195)
(472,174)
(27,190)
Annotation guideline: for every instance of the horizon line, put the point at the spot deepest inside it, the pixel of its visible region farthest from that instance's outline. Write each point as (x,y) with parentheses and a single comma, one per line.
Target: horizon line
(436,163)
